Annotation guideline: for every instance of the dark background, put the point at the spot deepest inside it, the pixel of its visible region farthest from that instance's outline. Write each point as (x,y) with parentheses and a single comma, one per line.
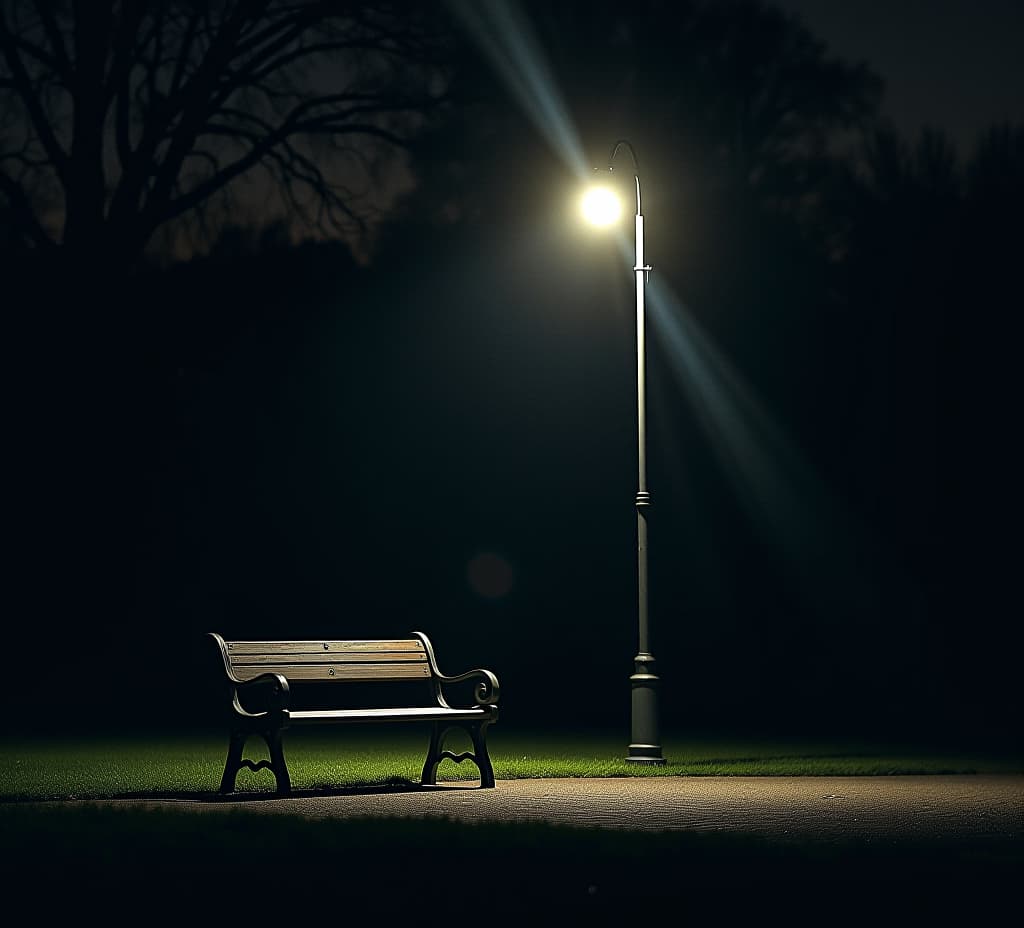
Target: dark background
(270,439)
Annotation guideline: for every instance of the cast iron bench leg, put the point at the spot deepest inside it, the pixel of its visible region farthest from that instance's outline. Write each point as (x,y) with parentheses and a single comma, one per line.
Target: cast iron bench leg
(233,763)
(478,732)
(429,775)
(277,764)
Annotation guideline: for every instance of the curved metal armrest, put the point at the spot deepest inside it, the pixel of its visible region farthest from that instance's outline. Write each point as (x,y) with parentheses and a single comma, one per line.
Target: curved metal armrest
(280,694)
(486,691)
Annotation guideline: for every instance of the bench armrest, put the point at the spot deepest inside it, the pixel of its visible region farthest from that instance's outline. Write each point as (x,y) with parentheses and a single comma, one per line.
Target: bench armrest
(277,700)
(486,692)
(279,695)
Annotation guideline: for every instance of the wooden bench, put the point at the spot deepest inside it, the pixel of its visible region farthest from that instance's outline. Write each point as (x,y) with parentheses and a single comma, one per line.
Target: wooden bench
(261,675)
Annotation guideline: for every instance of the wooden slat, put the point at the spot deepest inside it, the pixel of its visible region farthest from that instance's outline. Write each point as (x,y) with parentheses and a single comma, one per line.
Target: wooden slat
(328,646)
(342,672)
(329,657)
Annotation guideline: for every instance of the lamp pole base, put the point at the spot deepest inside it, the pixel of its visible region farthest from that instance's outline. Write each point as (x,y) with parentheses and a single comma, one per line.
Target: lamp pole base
(644,747)
(646,754)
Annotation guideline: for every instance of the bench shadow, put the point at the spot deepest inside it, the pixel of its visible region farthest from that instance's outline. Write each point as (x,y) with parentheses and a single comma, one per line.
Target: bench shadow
(317,792)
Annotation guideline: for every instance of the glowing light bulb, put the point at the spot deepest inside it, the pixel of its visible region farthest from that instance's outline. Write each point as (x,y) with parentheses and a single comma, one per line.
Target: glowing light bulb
(601,206)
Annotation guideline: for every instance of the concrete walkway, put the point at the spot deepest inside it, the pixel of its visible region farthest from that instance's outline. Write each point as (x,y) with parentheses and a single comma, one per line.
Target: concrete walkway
(803,850)
(976,808)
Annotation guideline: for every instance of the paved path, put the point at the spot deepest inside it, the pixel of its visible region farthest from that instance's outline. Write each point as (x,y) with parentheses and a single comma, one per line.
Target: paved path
(850,850)
(892,808)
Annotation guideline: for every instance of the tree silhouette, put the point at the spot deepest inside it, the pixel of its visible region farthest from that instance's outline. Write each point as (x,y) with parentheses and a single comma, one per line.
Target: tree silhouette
(122,116)
(931,270)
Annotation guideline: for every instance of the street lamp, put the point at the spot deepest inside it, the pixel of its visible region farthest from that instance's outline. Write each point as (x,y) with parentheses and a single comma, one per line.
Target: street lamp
(601,206)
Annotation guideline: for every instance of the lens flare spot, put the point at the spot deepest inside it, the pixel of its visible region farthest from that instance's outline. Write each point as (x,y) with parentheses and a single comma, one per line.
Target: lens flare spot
(490,575)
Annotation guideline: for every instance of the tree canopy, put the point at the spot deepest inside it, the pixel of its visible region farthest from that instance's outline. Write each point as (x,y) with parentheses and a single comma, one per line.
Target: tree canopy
(122,116)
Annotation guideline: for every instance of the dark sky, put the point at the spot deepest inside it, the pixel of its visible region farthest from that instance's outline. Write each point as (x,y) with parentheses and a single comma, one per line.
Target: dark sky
(956,64)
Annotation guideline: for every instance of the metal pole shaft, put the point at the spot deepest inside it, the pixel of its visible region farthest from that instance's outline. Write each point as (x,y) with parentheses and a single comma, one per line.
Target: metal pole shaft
(643,498)
(645,746)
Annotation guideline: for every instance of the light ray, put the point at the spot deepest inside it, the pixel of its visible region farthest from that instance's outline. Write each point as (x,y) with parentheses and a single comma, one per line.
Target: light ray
(505,36)
(821,540)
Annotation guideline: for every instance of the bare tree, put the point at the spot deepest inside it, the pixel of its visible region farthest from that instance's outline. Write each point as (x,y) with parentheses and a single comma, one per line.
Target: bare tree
(118,117)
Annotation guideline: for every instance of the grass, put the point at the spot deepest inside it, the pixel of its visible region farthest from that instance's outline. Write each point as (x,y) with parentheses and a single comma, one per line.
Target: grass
(176,765)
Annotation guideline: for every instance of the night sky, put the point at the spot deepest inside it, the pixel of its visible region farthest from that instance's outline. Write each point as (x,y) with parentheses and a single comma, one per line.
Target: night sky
(437,432)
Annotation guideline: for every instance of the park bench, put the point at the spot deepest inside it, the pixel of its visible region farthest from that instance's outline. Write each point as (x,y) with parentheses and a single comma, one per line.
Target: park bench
(262,674)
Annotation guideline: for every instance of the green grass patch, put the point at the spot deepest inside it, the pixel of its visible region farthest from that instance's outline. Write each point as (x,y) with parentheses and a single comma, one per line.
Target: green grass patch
(182,765)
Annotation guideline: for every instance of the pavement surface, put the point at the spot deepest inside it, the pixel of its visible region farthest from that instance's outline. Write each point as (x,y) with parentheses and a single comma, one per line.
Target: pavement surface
(975,808)
(723,850)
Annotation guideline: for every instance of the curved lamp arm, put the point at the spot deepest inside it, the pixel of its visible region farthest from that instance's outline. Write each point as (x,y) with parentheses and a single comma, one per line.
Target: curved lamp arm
(623,143)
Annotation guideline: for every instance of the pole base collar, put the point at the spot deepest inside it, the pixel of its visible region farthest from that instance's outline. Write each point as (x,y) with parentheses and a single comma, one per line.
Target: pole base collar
(649,754)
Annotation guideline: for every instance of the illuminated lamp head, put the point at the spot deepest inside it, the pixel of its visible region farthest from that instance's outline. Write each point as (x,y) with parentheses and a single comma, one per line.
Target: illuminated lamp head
(601,205)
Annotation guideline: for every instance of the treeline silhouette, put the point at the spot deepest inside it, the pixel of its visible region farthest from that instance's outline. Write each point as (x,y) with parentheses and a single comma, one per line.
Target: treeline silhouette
(276,438)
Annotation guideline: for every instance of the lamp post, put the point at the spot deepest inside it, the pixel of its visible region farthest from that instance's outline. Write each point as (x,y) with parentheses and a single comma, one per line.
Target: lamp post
(601,206)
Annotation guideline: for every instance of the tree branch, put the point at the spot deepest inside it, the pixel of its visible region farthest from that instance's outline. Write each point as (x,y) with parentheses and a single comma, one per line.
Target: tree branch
(22,84)
(56,40)
(185,50)
(119,80)
(253,157)
(194,100)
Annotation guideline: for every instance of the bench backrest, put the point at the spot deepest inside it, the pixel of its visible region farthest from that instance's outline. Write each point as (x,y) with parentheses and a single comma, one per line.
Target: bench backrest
(328,661)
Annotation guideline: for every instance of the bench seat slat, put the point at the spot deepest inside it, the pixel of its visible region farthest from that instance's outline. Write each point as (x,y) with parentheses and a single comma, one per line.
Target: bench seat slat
(425,713)
(312,647)
(419,670)
(326,657)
